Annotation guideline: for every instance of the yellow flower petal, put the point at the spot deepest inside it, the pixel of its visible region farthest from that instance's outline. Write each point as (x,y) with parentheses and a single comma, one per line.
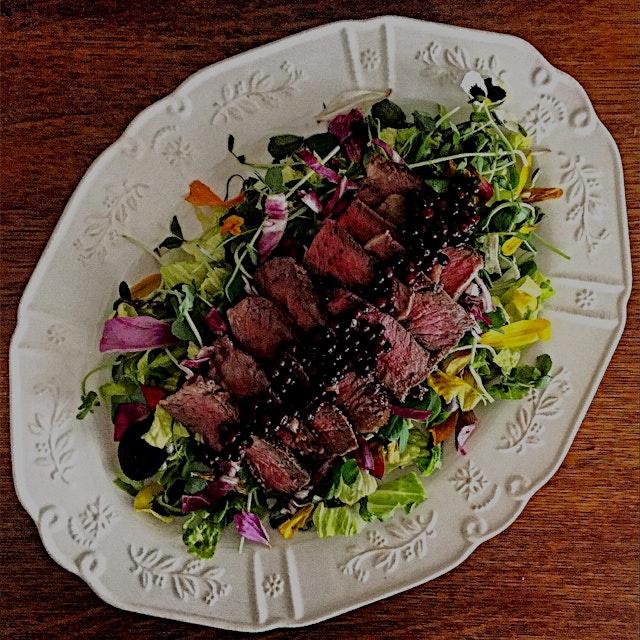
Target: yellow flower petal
(297,521)
(144,500)
(518,334)
(458,363)
(524,174)
(510,246)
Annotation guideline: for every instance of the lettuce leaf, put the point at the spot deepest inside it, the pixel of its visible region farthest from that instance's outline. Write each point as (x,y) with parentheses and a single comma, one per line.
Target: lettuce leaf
(337,521)
(406,492)
(350,493)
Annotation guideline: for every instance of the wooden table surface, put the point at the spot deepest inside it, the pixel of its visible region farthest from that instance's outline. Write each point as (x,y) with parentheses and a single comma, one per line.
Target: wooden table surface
(75,73)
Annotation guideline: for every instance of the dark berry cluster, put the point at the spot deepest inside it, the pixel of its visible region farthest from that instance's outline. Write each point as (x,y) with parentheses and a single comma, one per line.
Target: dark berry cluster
(438,220)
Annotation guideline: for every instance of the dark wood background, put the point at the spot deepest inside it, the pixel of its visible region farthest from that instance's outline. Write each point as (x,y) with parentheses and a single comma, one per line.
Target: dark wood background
(75,73)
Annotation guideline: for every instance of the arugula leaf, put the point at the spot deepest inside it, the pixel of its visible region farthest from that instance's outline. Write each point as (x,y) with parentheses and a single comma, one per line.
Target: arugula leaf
(89,401)
(284,145)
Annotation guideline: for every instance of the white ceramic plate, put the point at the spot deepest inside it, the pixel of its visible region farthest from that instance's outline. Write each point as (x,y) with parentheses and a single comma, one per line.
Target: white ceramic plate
(64,469)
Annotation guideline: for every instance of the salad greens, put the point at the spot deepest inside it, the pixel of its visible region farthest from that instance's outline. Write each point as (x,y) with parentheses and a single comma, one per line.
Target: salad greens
(161,324)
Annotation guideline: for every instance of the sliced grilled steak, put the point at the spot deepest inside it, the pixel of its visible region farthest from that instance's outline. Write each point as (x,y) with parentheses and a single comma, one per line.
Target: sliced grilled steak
(436,321)
(334,252)
(235,370)
(394,209)
(299,438)
(275,467)
(362,222)
(385,178)
(287,282)
(384,246)
(333,430)
(259,326)
(463,266)
(364,402)
(202,406)
(406,364)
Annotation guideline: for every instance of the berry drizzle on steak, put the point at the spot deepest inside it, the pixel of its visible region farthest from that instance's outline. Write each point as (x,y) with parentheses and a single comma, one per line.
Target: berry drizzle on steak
(336,338)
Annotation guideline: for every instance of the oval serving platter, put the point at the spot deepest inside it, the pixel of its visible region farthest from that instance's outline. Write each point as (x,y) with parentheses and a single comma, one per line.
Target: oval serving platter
(64,470)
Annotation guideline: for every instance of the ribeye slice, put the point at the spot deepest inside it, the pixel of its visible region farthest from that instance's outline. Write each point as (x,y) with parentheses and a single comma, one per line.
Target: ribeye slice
(436,321)
(235,370)
(275,466)
(334,252)
(384,246)
(298,437)
(259,326)
(333,430)
(384,178)
(203,407)
(407,364)
(394,209)
(362,222)
(463,266)
(287,282)
(364,402)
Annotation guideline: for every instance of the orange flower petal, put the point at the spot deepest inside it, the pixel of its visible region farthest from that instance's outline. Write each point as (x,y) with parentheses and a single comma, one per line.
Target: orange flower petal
(201,195)
(232,225)
(146,286)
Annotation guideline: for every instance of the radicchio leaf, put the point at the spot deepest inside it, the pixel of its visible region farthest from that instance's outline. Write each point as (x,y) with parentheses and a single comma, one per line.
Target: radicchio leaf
(273,227)
(128,413)
(214,491)
(349,128)
(249,526)
(394,156)
(215,322)
(411,413)
(310,198)
(135,334)
(465,427)
(336,204)
(363,455)
(313,163)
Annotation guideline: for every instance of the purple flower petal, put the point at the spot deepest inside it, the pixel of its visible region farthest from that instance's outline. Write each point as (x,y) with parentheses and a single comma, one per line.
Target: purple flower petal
(135,334)
(249,526)
(411,413)
(215,322)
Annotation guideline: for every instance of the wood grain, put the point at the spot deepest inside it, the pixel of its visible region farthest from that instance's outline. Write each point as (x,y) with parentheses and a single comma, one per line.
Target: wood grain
(75,73)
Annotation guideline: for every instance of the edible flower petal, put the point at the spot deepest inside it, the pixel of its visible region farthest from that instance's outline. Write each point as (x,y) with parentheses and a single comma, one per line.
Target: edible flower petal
(249,526)
(298,520)
(135,334)
(201,195)
(143,502)
(233,225)
(518,334)
(146,286)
